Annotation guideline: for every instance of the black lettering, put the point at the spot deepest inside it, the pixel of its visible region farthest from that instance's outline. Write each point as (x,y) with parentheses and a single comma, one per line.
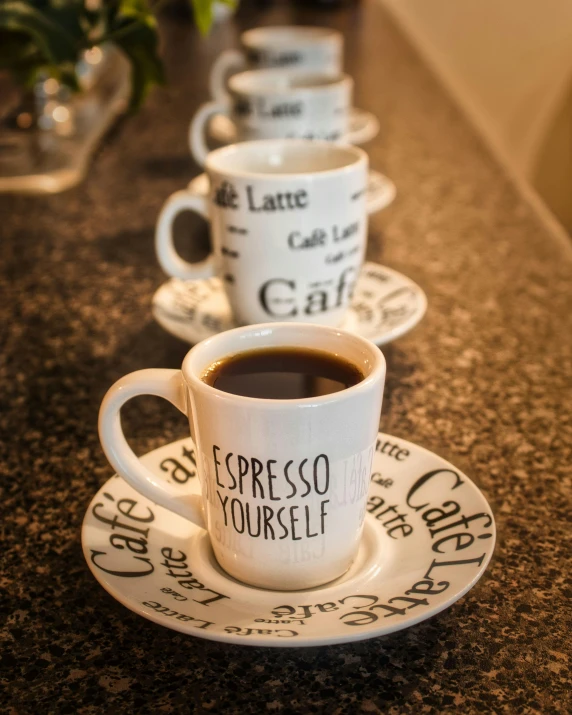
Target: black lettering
(413,601)
(268,514)
(464,540)
(392,610)
(436,564)
(123,574)
(405,529)
(316,302)
(248,525)
(240,510)
(242,471)
(294,521)
(463,521)
(217,465)
(307,483)
(230,474)
(358,618)
(178,471)
(264,298)
(326,474)
(257,468)
(278,515)
(281,611)
(294,490)
(323,512)
(128,513)
(224,503)
(138,546)
(167,553)
(425,478)
(190,455)
(427,588)
(342,284)
(308,534)
(440,514)
(271,478)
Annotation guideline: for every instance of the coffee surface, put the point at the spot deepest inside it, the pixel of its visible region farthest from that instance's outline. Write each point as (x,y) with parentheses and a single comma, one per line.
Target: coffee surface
(282,374)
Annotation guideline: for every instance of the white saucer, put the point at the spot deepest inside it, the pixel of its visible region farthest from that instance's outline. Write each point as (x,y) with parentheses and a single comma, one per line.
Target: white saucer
(403,573)
(364,126)
(380,190)
(385,306)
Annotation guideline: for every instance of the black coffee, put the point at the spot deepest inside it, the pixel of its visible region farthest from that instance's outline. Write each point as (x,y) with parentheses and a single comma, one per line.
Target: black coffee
(282,374)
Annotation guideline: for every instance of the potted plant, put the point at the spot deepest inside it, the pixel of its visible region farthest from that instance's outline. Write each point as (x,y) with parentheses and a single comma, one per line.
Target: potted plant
(53,54)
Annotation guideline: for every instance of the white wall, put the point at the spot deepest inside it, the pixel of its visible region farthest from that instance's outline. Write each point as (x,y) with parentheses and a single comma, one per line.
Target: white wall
(509,63)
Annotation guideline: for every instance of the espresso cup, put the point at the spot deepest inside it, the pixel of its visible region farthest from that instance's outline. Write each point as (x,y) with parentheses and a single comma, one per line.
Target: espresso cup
(317,49)
(278,477)
(276,104)
(288,228)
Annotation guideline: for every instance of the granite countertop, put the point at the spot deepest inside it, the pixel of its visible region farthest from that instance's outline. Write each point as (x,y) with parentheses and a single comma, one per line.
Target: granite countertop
(483,381)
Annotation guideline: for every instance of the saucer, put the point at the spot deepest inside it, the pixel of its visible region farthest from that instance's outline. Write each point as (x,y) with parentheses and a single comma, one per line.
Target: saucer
(385,306)
(380,190)
(429,534)
(364,126)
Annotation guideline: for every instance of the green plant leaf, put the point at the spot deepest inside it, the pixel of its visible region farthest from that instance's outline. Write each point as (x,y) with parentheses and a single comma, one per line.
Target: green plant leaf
(48,36)
(203,11)
(139,42)
(52,40)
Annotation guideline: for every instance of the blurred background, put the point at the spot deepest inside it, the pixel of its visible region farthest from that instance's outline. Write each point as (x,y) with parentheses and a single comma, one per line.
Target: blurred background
(69,68)
(509,66)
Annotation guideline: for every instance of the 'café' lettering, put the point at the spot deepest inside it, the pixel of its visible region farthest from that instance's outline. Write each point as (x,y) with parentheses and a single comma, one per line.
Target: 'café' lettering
(277,296)
(125,537)
(226,196)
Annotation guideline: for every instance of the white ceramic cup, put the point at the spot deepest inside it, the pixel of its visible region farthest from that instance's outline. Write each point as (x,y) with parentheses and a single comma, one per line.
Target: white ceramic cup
(288,228)
(284,483)
(276,104)
(317,49)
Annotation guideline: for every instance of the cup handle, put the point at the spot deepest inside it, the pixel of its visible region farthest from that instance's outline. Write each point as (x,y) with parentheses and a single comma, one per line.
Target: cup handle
(168,258)
(227,62)
(197,129)
(170,385)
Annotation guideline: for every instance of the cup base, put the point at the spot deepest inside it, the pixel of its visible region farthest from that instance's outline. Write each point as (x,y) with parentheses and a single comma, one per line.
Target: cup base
(278,584)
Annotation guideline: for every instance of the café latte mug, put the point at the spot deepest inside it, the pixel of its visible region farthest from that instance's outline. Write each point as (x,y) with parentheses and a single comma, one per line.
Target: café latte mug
(288,228)
(316,49)
(284,482)
(276,104)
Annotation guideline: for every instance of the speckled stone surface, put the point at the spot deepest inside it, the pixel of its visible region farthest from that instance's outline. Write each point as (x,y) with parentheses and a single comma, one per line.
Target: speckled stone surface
(484,381)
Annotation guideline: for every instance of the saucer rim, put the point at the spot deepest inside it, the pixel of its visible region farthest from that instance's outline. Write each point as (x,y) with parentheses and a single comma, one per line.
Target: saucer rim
(372,124)
(308,641)
(388,337)
(368,117)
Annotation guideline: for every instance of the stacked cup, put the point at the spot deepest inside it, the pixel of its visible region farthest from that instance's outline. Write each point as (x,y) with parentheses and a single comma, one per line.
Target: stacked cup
(288,201)
(287,82)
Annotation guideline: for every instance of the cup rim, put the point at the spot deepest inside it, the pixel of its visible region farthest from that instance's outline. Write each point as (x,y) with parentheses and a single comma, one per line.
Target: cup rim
(257,37)
(330,82)
(359,157)
(376,373)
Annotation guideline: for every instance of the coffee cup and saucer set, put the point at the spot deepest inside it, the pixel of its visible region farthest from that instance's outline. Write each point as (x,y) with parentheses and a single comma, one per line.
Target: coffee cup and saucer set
(285,82)
(285,519)
(317,50)
(310,192)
